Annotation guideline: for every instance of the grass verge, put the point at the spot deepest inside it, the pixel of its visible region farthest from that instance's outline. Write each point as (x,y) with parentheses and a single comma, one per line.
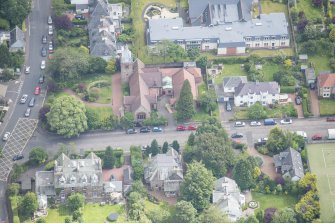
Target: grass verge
(274,201)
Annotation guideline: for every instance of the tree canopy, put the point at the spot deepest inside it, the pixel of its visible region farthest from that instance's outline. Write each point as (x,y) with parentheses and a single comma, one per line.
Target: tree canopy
(185,212)
(109,159)
(29,204)
(286,215)
(243,173)
(75,201)
(212,215)
(185,106)
(67,116)
(15,11)
(257,111)
(38,155)
(197,186)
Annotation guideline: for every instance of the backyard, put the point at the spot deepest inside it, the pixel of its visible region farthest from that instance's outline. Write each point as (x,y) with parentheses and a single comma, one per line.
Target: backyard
(327,107)
(274,201)
(322,163)
(321,63)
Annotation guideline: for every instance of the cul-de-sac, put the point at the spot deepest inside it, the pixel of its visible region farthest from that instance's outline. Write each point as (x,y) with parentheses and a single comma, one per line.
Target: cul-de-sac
(167,111)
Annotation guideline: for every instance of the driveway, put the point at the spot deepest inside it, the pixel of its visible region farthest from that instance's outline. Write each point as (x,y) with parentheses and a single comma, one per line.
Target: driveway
(314,103)
(161,107)
(297,107)
(225,115)
(117,95)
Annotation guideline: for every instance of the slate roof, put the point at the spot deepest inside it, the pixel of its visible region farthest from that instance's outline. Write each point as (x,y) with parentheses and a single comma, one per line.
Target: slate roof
(326,80)
(273,24)
(113,186)
(44,182)
(290,162)
(233,82)
(310,74)
(257,88)
(17,38)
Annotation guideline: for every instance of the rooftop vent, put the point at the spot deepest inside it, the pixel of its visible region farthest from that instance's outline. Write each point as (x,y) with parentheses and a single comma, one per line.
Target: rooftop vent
(258,23)
(228,28)
(175,27)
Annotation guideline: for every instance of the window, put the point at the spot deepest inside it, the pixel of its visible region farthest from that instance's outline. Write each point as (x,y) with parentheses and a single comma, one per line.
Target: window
(248,45)
(247,39)
(251,97)
(266,38)
(257,44)
(282,43)
(241,102)
(141,115)
(264,103)
(266,44)
(206,47)
(257,39)
(264,97)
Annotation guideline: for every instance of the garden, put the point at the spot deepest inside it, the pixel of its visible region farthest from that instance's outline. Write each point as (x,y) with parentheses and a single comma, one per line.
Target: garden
(327,107)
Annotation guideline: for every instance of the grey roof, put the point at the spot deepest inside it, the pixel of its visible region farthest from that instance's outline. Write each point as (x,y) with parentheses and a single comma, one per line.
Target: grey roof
(233,82)
(126,56)
(81,6)
(44,182)
(273,24)
(310,74)
(17,38)
(290,162)
(113,186)
(257,88)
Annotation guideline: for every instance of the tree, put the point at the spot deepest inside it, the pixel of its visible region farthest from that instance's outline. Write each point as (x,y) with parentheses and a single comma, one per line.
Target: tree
(191,139)
(243,173)
(76,215)
(75,201)
(111,66)
(154,148)
(193,53)
(41,220)
(67,116)
(97,65)
(43,111)
(212,215)
(109,159)
(257,111)
(29,204)
(185,106)
(68,64)
(15,11)
(197,186)
(13,189)
(307,183)
(38,155)
(308,208)
(159,215)
(136,206)
(202,62)
(286,215)
(185,212)
(207,101)
(137,186)
(67,220)
(317,3)
(165,147)
(62,22)
(175,145)
(277,141)
(269,212)
(251,219)
(332,35)
(4,56)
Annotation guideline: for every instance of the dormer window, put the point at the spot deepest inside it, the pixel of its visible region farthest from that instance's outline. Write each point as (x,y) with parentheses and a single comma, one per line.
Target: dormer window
(73,179)
(62,180)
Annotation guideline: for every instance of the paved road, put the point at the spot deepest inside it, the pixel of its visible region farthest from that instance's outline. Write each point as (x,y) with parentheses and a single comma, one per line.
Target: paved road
(26,84)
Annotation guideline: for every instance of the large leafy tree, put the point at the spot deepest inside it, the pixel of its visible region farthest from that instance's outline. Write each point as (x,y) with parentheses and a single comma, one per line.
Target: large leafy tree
(4,56)
(69,63)
(277,141)
(243,173)
(185,106)
(286,215)
(185,212)
(109,158)
(257,111)
(38,155)
(208,100)
(67,116)
(29,204)
(212,215)
(197,186)
(136,207)
(75,201)
(15,11)
(308,208)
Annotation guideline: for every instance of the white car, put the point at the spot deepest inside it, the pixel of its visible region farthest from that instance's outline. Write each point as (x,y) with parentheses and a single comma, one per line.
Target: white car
(6,136)
(49,20)
(27,70)
(23,99)
(286,121)
(239,124)
(262,140)
(50,30)
(255,123)
(42,64)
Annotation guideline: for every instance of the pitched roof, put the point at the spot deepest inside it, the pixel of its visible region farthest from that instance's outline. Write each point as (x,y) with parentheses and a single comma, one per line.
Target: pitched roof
(257,88)
(290,161)
(233,82)
(17,38)
(326,80)
(310,73)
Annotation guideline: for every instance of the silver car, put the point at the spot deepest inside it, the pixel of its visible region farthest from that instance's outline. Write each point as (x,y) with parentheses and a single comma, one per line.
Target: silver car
(23,99)
(27,113)
(6,136)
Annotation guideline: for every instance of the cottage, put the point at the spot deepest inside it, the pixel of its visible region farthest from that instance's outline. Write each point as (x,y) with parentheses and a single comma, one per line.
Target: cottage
(228,198)
(17,40)
(227,89)
(164,172)
(326,85)
(289,164)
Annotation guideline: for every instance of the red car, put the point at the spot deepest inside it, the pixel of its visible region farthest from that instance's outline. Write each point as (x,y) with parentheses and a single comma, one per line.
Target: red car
(37,90)
(192,127)
(331,119)
(316,137)
(181,128)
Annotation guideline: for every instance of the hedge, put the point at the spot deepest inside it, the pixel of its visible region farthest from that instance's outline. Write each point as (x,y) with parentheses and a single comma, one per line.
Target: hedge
(232,60)
(79,22)
(14,207)
(305,107)
(287,89)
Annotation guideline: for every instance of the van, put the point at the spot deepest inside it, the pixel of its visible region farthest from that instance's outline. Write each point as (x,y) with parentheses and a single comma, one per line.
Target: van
(270,121)
(31,102)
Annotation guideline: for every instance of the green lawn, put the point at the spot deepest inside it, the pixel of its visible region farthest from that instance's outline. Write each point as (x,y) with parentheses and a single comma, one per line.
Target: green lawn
(269,69)
(274,201)
(270,6)
(327,106)
(311,12)
(230,70)
(272,53)
(150,206)
(321,161)
(321,63)
(101,112)
(91,213)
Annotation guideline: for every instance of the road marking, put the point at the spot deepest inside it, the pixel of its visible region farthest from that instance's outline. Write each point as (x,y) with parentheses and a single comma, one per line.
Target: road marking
(324,158)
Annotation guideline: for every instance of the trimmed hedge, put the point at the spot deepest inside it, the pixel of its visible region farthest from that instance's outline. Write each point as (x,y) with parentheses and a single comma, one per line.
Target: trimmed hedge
(232,60)
(287,89)
(305,108)
(79,22)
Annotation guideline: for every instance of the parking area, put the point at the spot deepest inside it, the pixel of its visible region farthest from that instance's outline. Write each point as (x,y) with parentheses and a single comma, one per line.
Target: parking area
(17,141)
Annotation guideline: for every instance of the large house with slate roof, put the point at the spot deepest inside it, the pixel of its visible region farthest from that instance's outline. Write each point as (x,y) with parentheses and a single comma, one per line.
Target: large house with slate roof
(164,172)
(17,40)
(78,175)
(289,164)
(225,25)
(103,28)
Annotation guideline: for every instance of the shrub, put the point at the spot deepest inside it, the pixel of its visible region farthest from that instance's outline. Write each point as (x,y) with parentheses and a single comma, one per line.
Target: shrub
(287,89)
(305,107)
(263,150)
(50,165)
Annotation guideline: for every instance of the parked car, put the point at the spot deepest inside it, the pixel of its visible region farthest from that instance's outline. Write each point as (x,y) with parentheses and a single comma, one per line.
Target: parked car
(31,102)
(27,113)
(131,131)
(262,140)
(37,90)
(51,47)
(145,130)
(181,128)
(317,137)
(192,127)
(157,129)
(27,70)
(42,64)
(50,32)
(239,124)
(331,119)
(298,100)
(228,106)
(80,17)
(255,123)
(44,39)
(23,99)
(41,79)
(43,52)
(312,86)
(237,135)
(49,20)
(286,121)
(270,121)
(18,157)
(6,136)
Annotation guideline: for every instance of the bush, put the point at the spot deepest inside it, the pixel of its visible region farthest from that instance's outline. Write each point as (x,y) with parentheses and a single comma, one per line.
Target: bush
(50,165)
(263,150)
(305,107)
(79,22)
(287,89)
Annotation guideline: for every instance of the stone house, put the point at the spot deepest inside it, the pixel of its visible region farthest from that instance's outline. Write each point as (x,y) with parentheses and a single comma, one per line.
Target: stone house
(326,85)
